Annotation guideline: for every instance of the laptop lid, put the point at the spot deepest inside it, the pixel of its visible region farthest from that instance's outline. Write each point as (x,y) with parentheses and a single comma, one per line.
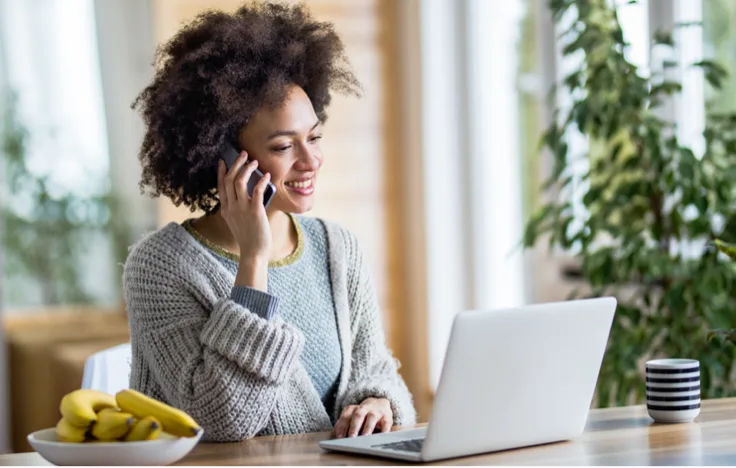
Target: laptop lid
(518,377)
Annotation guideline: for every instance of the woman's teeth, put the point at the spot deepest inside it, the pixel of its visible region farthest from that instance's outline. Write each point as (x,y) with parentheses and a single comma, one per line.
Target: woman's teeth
(300,185)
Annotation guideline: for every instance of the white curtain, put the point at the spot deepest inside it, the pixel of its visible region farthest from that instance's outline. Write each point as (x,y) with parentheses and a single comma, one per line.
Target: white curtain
(468,137)
(52,65)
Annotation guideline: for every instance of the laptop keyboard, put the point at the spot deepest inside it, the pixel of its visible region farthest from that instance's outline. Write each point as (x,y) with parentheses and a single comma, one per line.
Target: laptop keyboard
(411,445)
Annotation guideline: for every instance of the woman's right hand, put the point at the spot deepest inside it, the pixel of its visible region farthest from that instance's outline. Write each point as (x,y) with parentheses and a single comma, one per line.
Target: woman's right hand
(245,216)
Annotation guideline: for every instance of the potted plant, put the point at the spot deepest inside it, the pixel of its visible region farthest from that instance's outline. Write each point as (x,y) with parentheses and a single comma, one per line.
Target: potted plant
(645,196)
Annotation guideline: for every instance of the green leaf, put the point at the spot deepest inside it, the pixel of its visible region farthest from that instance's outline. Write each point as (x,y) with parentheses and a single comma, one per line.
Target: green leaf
(580,111)
(687,171)
(713,72)
(670,64)
(663,37)
(667,87)
(688,24)
(617,35)
(727,248)
(563,232)
(701,204)
(533,227)
(573,80)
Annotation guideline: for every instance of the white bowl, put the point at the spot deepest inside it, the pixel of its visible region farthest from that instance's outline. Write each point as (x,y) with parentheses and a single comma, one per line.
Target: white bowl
(162,451)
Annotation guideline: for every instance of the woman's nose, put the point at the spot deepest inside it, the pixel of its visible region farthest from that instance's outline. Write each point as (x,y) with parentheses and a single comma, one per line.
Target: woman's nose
(309,160)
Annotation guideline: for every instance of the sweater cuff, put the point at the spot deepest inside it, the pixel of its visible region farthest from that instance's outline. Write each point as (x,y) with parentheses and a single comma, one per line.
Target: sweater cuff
(260,303)
(270,350)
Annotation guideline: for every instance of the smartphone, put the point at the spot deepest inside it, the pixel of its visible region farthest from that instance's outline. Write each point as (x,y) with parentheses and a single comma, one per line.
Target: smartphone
(229,155)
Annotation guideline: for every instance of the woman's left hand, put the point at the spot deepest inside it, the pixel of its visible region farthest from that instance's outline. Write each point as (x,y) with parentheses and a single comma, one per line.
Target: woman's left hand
(364,419)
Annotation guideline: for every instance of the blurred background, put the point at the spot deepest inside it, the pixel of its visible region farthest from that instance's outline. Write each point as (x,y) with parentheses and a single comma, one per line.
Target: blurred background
(437,168)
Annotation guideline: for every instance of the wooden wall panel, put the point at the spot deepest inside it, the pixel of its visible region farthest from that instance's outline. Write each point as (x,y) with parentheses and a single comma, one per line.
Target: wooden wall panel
(358,184)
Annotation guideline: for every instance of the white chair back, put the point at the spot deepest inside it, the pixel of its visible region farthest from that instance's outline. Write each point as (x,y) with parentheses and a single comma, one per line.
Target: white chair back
(108,370)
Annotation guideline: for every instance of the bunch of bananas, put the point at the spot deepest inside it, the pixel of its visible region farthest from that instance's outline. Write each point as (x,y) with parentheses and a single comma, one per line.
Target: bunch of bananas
(94,416)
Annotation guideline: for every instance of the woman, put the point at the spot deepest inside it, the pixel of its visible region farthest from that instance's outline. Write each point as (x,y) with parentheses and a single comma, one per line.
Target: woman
(254,321)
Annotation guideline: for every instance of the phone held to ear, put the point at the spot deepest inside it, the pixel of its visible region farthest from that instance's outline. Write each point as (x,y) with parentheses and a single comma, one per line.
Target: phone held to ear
(229,155)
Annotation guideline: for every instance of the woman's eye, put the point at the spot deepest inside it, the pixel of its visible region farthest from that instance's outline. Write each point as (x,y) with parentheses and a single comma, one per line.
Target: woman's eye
(315,138)
(282,149)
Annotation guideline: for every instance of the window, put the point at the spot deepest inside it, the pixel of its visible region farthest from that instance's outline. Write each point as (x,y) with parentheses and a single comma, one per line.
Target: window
(470,148)
(719,43)
(52,68)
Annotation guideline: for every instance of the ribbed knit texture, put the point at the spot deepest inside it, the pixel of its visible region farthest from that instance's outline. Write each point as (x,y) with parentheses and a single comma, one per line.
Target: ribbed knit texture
(260,303)
(240,375)
(307,304)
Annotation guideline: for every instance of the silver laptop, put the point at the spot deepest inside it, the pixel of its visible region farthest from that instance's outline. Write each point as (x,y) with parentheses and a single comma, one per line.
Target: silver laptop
(511,378)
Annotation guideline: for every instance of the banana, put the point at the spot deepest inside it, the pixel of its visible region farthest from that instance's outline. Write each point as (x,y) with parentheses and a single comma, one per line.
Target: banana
(66,432)
(174,421)
(80,407)
(112,425)
(147,428)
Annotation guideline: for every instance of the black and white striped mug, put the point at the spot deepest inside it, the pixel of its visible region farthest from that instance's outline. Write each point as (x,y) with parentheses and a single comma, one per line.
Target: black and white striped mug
(673,390)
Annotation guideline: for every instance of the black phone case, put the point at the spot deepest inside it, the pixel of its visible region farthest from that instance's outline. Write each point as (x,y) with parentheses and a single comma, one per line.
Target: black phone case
(229,155)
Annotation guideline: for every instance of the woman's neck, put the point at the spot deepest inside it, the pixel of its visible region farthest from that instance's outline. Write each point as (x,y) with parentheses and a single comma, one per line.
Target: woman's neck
(283,233)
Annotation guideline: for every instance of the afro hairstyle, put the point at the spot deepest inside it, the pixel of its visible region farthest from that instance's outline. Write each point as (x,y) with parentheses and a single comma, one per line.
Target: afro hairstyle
(214,74)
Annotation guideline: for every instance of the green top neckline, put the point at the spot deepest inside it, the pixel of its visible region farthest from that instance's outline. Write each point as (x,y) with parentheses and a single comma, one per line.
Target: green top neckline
(288,260)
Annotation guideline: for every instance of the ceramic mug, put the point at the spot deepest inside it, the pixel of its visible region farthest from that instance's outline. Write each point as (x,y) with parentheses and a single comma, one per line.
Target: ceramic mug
(673,390)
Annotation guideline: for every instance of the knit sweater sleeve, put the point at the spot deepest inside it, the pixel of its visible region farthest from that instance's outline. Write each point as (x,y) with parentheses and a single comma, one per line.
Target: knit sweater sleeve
(224,365)
(375,370)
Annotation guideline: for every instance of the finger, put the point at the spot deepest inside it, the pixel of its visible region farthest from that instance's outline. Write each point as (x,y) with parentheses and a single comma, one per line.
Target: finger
(237,165)
(356,422)
(260,189)
(221,170)
(232,174)
(241,183)
(386,423)
(342,425)
(370,423)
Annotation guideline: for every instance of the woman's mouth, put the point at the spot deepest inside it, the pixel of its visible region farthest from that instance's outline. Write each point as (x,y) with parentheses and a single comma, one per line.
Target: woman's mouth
(302,187)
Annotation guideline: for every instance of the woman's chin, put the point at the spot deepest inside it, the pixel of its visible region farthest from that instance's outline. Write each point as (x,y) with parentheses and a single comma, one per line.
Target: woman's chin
(299,208)
(296,205)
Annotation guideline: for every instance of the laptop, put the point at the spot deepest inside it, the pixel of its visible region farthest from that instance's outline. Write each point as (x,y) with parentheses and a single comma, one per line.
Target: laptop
(511,378)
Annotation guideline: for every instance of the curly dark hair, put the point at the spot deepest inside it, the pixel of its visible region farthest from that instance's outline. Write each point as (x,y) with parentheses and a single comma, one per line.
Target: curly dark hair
(213,75)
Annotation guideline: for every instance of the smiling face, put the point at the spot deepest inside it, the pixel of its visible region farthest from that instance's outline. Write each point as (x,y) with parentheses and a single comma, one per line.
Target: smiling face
(285,142)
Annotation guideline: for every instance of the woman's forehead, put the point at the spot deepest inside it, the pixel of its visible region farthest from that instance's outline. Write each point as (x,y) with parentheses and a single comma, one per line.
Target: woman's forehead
(295,113)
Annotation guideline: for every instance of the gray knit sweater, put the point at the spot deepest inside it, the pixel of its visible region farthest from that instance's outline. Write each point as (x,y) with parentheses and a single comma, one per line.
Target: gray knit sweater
(238,374)
(301,278)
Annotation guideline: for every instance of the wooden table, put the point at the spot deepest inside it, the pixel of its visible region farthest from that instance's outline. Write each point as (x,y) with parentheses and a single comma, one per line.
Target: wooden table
(613,436)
